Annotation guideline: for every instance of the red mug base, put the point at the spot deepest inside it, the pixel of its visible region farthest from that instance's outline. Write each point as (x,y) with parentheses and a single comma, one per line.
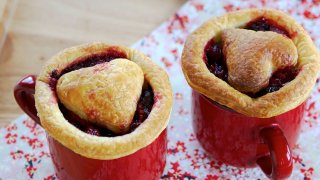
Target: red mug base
(233,138)
(146,163)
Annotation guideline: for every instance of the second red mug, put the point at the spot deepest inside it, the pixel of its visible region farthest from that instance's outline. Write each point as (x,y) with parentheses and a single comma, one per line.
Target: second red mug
(242,141)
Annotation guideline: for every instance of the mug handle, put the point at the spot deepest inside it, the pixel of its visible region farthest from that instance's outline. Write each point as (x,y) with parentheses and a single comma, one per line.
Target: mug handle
(278,164)
(24,95)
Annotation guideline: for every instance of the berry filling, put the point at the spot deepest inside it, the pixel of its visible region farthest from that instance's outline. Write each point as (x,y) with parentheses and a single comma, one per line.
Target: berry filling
(84,62)
(278,80)
(144,105)
(215,61)
(263,24)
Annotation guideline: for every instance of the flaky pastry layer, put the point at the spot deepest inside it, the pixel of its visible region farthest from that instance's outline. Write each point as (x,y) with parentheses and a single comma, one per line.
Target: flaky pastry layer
(106,94)
(272,104)
(90,146)
(252,57)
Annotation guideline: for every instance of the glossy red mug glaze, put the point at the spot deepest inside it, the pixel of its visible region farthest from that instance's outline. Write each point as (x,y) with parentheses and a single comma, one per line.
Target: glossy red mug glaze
(243,141)
(146,163)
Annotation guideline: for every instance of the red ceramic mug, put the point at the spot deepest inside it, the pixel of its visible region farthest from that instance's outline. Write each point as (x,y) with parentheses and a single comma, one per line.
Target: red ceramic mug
(146,163)
(242,141)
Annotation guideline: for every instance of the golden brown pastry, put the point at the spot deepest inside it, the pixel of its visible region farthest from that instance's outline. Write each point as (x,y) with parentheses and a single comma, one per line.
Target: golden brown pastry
(252,57)
(258,62)
(68,89)
(106,94)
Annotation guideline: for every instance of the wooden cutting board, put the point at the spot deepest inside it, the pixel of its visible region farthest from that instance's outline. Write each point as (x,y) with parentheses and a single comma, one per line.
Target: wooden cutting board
(41,28)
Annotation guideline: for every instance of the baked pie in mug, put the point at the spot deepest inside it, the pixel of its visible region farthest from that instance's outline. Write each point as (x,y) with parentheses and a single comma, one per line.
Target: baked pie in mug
(105,109)
(251,72)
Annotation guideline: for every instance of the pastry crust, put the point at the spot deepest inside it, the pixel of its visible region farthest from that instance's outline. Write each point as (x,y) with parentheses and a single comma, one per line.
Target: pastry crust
(253,56)
(106,94)
(103,148)
(272,104)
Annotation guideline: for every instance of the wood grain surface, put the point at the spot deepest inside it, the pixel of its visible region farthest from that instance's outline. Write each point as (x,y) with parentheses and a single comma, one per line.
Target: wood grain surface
(41,28)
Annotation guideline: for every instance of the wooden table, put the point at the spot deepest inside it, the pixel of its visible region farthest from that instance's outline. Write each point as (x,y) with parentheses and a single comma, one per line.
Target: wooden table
(41,28)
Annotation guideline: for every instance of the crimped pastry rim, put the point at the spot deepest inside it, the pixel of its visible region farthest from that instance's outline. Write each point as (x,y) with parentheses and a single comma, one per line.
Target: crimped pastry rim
(104,148)
(272,104)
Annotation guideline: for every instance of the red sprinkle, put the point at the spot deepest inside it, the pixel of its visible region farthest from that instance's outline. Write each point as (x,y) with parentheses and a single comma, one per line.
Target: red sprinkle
(308,14)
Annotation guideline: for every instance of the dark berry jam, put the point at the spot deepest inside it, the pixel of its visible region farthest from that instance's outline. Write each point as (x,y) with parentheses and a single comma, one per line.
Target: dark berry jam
(214,60)
(278,80)
(88,61)
(263,24)
(93,60)
(144,105)
(93,131)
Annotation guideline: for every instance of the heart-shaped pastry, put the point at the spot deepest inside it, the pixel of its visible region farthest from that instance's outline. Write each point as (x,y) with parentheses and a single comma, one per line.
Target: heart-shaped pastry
(252,57)
(105,94)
